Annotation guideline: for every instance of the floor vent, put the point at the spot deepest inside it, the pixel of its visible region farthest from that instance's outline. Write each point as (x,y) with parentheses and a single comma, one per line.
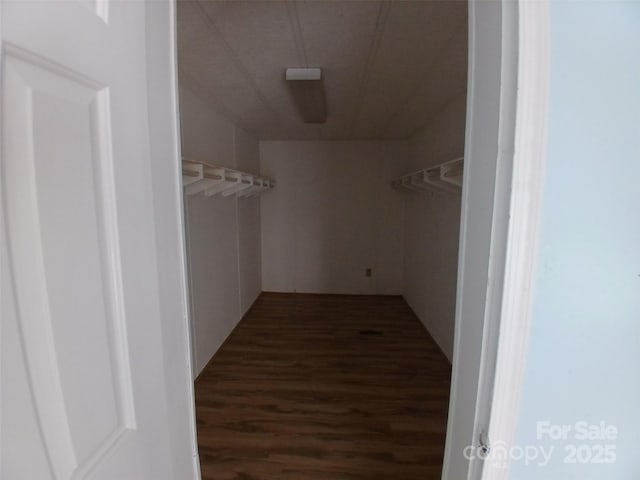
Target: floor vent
(370,332)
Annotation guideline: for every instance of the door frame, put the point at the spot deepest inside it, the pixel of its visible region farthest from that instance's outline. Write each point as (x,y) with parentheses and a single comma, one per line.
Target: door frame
(529,160)
(166,176)
(169,218)
(509,59)
(517,73)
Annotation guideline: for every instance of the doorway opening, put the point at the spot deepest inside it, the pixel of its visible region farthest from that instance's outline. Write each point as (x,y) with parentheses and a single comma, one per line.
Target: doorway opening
(323,257)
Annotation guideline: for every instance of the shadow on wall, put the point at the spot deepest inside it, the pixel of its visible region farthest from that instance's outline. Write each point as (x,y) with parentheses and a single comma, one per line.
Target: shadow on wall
(432,228)
(433,220)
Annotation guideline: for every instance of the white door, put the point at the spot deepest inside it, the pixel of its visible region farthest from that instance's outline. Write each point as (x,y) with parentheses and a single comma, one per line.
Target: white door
(84,375)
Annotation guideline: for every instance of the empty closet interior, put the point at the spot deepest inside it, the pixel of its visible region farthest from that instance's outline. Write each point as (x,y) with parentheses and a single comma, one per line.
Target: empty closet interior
(322,149)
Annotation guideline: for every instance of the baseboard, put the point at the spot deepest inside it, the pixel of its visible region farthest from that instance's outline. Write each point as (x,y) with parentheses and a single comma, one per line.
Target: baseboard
(342,294)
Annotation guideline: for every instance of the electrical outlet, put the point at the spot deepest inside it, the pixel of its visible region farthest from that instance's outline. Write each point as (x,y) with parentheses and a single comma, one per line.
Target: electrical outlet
(367,272)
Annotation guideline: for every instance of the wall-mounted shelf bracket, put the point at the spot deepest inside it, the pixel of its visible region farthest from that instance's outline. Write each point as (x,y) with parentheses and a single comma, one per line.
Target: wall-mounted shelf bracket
(451,172)
(210,177)
(445,178)
(244,182)
(198,177)
(191,173)
(258,186)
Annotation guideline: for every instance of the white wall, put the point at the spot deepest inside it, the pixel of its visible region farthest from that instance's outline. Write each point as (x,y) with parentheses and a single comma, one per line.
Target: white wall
(584,352)
(332,215)
(432,228)
(223,233)
(249,245)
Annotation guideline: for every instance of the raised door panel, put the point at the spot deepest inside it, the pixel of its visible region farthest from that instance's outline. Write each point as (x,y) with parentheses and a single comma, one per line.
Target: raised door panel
(93,375)
(63,242)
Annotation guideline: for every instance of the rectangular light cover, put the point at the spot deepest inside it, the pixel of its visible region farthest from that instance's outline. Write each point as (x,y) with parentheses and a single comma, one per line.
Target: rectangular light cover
(303,74)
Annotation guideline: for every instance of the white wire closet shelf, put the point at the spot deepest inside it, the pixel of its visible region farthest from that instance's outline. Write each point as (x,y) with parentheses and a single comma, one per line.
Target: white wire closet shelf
(444,177)
(199,177)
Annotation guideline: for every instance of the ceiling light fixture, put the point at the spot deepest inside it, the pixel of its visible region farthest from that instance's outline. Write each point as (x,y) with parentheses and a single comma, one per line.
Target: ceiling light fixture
(308,92)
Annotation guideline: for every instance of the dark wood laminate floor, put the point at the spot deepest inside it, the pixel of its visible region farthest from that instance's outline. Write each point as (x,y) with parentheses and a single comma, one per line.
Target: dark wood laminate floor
(324,387)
